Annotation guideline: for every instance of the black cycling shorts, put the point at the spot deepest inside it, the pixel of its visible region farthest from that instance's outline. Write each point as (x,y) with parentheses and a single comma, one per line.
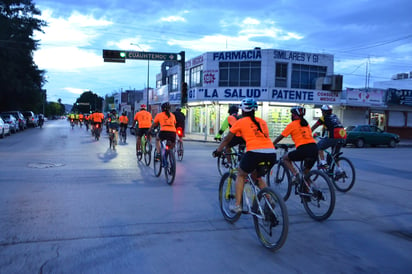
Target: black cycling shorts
(142,131)
(167,135)
(251,160)
(307,153)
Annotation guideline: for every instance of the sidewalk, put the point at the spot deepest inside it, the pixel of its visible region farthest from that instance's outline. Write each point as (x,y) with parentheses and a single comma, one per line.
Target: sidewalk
(209,138)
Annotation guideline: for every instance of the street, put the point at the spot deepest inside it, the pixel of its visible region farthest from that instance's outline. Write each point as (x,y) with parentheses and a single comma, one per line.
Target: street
(70,205)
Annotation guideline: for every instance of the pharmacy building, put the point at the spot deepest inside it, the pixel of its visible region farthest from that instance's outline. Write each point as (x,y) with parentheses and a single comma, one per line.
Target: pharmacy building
(277,79)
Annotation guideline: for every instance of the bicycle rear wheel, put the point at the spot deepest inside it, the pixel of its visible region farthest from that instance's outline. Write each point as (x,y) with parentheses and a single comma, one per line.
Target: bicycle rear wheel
(227,190)
(344,180)
(157,164)
(279,179)
(319,201)
(147,153)
(272,226)
(179,150)
(170,169)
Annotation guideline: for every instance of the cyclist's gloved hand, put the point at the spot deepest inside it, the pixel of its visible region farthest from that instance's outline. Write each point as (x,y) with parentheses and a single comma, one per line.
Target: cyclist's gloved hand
(216,153)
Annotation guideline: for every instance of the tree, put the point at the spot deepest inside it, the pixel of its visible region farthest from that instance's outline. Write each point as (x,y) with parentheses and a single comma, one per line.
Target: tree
(21,80)
(94,101)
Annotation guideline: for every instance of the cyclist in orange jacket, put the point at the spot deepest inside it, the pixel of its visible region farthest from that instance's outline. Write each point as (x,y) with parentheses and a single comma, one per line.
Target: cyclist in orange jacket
(143,119)
(259,148)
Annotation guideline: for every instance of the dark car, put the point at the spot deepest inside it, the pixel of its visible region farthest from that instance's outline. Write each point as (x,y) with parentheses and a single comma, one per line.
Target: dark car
(20,118)
(362,135)
(31,118)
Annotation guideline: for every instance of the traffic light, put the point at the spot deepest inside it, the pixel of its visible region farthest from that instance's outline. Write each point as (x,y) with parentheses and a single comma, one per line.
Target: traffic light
(118,56)
(183,95)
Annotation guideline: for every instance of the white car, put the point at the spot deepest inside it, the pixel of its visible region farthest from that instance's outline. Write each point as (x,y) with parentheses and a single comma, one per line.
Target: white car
(4,128)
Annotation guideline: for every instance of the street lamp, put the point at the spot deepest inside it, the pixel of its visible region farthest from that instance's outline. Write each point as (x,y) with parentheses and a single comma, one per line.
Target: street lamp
(148,71)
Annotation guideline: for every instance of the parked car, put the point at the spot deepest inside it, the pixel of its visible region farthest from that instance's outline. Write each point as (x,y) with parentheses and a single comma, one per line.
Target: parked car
(20,118)
(11,120)
(31,119)
(4,128)
(362,135)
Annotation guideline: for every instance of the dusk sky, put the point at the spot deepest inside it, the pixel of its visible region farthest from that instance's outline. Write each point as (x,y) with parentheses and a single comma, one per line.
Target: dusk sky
(364,36)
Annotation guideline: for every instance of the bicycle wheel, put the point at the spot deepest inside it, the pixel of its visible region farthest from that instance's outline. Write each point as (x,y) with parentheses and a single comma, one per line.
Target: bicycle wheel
(170,169)
(179,150)
(227,190)
(142,149)
(279,179)
(319,201)
(147,153)
(344,180)
(157,164)
(272,226)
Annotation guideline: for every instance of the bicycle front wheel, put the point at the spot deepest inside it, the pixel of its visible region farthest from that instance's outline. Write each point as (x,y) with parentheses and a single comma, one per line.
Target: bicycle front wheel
(345,178)
(227,190)
(319,201)
(157,164)
(147,153)
(170,169)
(272,224)
(279,179)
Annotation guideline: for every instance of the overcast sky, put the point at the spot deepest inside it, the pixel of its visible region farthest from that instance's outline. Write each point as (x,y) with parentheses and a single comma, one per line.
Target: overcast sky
(363,35)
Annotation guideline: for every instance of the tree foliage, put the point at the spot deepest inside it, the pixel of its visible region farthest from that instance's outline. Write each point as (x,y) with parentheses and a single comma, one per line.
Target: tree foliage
(21,80)
(94,101)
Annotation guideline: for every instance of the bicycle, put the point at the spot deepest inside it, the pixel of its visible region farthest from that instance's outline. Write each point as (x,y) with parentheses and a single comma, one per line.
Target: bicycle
(340,169)
(112,139)
(179,144)
(314,189)
(167,161)
(123,135)
(270,215)
(146,149)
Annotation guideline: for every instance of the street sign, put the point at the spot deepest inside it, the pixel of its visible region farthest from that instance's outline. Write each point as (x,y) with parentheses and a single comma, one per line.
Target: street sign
(157,56)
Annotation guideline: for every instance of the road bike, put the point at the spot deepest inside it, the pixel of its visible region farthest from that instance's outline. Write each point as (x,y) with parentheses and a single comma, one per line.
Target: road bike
(165,160)
(179,144)
(269,212)
(146,149)
(340,169)
(315,189)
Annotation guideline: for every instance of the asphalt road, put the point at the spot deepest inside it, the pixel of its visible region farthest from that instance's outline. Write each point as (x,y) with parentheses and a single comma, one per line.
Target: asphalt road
(70,205)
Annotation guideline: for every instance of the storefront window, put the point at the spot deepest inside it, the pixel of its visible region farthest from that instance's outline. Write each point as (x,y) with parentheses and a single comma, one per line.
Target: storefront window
(304,76)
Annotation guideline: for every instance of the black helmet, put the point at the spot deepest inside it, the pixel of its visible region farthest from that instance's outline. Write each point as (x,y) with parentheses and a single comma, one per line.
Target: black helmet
(298,110)
(165,106)
(233,109)
(114,111)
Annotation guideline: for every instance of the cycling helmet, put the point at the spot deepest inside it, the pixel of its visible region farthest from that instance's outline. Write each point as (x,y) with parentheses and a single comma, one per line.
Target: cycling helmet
(248,105)
(326,108)
(143,106)
(233,109)
(124,113)
(165,106)
(114,111)
(298,110)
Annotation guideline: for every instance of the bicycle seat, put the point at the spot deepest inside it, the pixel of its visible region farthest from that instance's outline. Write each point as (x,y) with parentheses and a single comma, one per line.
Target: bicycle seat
(263,168)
